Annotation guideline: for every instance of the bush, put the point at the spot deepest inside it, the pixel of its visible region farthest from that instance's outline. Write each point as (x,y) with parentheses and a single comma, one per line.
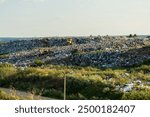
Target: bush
(82,82)
(5,96)
(4,55)
(130,35)
(137,95)
(7,70)
(53,93)
(38,62)
(76,51)
(146,62)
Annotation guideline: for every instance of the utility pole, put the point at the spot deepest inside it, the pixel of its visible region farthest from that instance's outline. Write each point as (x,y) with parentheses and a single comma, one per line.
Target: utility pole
(65,85)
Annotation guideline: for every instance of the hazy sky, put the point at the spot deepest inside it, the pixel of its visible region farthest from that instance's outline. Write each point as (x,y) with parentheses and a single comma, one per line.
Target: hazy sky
(74,17)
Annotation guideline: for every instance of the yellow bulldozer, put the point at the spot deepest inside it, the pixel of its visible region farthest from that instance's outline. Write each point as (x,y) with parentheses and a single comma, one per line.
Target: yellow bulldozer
(69,41)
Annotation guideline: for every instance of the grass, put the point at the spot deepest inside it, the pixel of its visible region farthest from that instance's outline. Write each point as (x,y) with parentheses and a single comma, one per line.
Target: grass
(137,95)
(82,82)
(7,70)
(2,42)
(4,55)
(5,96)
(13,94)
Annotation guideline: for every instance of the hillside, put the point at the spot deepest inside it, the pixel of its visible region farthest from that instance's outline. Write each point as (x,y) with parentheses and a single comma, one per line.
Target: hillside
(107,67)
(85,51)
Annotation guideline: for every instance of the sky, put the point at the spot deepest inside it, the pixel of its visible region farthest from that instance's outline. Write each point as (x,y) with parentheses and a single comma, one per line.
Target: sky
(37,18)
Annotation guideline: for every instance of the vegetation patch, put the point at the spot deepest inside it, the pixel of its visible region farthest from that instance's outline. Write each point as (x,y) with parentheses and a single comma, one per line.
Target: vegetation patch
(5,96)
(82,82)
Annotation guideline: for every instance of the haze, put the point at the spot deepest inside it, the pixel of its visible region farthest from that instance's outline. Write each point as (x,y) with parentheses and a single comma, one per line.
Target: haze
(29,18)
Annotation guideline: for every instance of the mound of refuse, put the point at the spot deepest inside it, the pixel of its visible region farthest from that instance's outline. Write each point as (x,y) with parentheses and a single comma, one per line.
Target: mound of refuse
(101,51)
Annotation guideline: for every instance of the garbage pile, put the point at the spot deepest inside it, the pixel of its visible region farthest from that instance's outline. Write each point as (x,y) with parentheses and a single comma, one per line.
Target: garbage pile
(100,51)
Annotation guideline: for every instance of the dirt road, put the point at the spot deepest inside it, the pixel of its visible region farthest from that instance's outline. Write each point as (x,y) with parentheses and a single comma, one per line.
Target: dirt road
(25,95)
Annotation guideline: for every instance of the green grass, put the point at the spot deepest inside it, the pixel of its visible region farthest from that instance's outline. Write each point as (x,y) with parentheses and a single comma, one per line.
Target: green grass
(4,55)
(5,96)
(137,95)
(82,82)
(2,42)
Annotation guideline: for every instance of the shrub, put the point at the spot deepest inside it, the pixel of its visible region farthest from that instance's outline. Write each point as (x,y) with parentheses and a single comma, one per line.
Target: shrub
(5,96)
(76,51)
(146,62)
(38,62)
(137,95)
(53,93)
(4,55)
(7,70)
(82,82)
(130,35)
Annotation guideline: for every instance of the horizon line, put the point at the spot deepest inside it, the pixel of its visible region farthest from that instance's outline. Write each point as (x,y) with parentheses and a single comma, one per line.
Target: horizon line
(70,36)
